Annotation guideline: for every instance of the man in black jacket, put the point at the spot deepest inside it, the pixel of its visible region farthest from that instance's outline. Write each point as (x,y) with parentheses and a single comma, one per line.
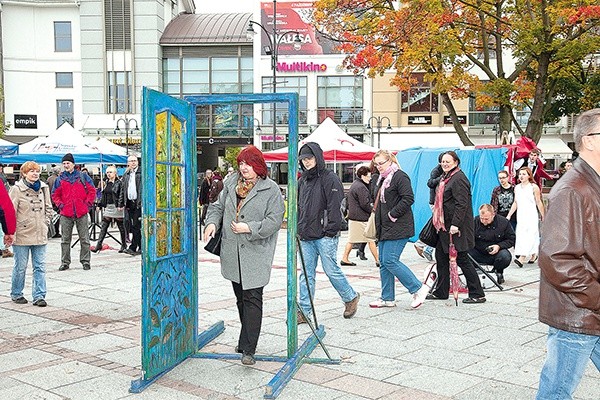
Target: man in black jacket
(320,194)
(494,235)
(131,197)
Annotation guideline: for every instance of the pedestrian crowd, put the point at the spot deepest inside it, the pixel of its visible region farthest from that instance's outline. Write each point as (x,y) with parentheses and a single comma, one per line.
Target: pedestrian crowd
(32,212)
(246,209)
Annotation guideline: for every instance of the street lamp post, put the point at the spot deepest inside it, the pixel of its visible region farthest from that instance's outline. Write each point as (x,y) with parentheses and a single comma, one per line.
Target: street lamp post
(379,122)
(273,50)
(127,122)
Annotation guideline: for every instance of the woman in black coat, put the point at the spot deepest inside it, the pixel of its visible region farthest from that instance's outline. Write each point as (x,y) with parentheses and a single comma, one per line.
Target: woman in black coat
(395,225)
(453,215)
(360,205)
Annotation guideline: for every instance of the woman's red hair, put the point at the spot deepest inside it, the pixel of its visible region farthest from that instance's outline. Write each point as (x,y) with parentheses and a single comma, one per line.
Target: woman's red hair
(253,157)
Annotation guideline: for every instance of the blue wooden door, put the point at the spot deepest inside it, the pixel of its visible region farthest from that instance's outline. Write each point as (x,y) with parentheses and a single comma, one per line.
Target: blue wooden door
(169,263)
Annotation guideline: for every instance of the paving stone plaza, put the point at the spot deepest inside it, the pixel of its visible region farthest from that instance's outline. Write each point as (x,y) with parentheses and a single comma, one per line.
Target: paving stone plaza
(86,343)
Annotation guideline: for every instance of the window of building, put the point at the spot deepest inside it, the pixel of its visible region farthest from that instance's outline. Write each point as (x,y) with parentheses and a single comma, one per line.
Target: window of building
(64,112)
(117,24)
(285,84)
(479,115)
(225,120)
(64,79)
(209,75)
(62,37)
(420,99)
(341,99)
(119,92)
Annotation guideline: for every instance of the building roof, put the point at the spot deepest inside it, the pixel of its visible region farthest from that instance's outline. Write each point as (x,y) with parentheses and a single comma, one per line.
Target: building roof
(206,29)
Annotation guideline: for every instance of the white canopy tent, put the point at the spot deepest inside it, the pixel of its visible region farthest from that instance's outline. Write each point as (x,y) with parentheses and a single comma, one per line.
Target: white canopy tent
(337,146)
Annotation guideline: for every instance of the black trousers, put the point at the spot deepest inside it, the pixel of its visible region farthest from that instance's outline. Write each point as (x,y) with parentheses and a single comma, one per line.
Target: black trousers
(134,215)
(443,269)
(249,303)
(500,260)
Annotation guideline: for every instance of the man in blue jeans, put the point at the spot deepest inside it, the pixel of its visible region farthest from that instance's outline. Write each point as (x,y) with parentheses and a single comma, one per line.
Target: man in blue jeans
(570,267)
(320,194)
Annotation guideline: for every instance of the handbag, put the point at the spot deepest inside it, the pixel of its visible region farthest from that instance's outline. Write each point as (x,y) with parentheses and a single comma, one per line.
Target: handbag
(428,234)
(214,244)
(371,230)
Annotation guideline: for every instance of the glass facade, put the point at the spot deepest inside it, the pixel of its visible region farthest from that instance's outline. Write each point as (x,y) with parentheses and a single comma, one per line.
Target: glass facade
(189,76)
(119,92)
(341,99)
(419,98)
(287,84)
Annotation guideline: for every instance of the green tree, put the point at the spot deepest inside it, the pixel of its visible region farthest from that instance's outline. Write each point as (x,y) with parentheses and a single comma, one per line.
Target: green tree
(230,158)
(445,38)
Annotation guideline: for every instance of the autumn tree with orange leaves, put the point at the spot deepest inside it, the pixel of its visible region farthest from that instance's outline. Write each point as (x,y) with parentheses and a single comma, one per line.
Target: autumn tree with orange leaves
(520,46)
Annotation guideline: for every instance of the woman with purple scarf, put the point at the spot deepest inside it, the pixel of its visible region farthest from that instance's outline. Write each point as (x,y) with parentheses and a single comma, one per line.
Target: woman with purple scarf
(395,225)
(453,215)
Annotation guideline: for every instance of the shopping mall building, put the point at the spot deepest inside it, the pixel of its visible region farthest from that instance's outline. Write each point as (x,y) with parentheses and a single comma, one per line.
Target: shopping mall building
(85,62)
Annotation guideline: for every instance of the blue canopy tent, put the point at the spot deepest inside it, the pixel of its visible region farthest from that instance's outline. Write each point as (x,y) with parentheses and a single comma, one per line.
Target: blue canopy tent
(8,148)
(479,165)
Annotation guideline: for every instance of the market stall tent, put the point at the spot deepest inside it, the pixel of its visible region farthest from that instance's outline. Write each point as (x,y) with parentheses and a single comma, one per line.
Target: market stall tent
(8,148)
(337,145)
(51,149)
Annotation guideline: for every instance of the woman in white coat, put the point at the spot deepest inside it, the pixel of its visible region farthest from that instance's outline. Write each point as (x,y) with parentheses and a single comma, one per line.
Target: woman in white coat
(250,210)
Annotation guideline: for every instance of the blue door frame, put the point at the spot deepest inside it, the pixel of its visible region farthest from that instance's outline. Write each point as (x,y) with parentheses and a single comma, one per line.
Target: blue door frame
(169,236)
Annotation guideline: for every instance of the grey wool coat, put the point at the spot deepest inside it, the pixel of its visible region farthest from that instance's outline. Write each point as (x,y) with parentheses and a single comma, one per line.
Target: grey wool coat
(248,254)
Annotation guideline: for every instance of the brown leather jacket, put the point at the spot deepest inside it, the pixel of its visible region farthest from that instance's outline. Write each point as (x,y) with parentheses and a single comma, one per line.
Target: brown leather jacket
(570,254)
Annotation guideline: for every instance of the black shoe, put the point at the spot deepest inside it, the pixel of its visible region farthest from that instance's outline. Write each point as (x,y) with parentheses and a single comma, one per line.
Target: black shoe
(432,296)
(519,263)
(474,300)
(63,267)
(86,266)
(40,303)
(96,249)
(248,359)
(129,251)
(238,350)
(499,278)
(122,249)
(347,263)
(361,255)
(20,300)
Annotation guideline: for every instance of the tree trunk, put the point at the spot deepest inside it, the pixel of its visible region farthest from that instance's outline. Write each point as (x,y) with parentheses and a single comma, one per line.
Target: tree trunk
(455,122)
(504,119)
(536,120)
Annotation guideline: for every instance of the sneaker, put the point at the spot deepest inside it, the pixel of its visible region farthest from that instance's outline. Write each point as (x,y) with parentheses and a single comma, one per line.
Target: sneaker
(419,296)
(382,303)
(20,300)
(40,303)
(248,359)
(352,307)
(63,267)
(428,253)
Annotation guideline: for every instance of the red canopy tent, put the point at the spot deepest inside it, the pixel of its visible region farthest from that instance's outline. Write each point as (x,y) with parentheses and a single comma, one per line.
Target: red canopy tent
(337,146)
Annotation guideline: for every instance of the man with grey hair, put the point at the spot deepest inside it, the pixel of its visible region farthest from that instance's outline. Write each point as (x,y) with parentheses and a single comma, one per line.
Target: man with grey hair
(570,267)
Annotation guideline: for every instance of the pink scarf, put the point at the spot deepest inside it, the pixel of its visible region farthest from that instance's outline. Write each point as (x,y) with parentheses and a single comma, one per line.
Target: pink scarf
(438,206)
(387,179)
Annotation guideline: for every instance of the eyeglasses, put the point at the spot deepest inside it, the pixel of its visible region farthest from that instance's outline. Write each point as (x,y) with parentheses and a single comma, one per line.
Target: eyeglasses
(379,164)
(593,134)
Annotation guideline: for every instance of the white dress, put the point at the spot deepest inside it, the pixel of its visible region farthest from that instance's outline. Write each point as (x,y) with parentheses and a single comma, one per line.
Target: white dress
(528,233)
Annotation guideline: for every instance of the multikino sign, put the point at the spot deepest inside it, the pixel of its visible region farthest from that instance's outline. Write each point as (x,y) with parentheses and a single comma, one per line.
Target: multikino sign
(301,66)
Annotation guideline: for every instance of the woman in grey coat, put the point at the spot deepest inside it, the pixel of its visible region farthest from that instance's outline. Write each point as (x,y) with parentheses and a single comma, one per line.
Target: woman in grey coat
(250,209)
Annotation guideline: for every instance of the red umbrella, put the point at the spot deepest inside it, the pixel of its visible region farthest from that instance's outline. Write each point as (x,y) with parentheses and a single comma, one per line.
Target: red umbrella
(454,279)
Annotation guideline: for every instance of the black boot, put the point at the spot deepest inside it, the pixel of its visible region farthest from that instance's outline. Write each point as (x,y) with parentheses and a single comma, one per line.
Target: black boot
(361,255)
(103,229)
(123,235)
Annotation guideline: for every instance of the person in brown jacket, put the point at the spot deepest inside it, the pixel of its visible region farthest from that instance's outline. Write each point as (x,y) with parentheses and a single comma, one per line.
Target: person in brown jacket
(570,267)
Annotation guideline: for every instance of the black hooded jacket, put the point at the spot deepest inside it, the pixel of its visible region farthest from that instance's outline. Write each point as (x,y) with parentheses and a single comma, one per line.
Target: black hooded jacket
(320,194)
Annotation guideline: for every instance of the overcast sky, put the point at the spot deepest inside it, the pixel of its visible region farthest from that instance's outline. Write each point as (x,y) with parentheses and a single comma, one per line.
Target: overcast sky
(224,6)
